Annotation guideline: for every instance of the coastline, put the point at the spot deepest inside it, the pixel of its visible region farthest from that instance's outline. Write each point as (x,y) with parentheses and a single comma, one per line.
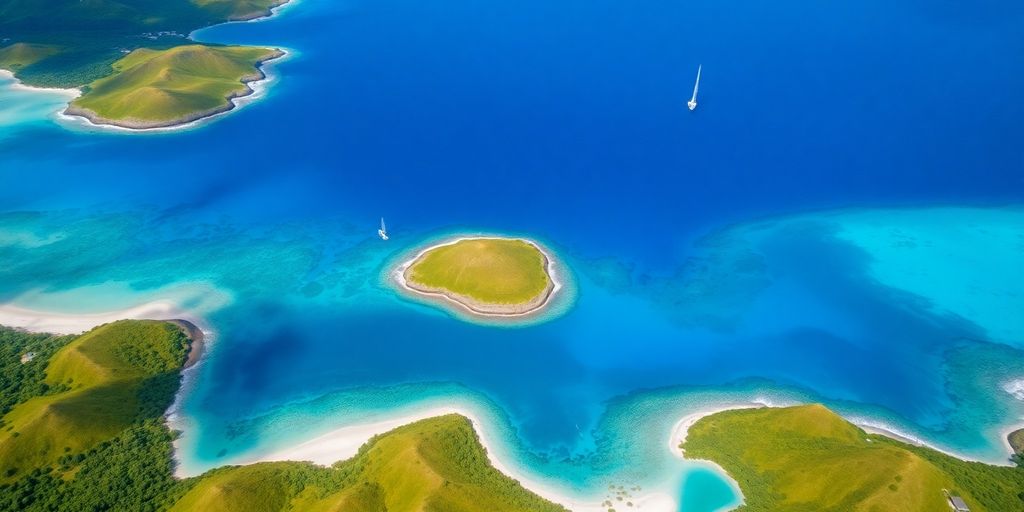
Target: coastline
(71,92)
(343,443)
(883,429)
(682,427)
(532,308)
(255,87)
(197,345)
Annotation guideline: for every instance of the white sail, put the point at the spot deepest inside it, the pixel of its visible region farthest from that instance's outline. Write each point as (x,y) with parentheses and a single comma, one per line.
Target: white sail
(383,231)
(693,101)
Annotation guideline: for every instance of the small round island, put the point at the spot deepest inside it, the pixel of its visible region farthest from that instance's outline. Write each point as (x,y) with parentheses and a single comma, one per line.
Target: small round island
(486,276)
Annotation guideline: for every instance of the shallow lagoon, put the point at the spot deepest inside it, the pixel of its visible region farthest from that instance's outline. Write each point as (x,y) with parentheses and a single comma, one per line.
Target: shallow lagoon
(705,272)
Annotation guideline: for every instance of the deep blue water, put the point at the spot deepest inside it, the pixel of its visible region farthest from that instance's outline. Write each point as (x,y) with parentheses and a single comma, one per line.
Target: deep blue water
(565,121)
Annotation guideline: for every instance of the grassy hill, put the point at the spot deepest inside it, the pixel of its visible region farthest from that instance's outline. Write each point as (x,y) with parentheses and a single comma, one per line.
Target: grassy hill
(152,88)
(807,458)
(99,384)
(89,435)
(484,271)
(435,465)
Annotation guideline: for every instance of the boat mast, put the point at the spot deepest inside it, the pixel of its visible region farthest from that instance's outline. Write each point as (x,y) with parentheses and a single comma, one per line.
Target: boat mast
(693,101)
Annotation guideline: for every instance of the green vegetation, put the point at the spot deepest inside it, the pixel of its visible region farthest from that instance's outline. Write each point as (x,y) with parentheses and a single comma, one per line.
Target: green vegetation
(151,88)
(89,435)
(20,381)
(72,43)
(95,387)
(807,458)
(436,465)
(483,271)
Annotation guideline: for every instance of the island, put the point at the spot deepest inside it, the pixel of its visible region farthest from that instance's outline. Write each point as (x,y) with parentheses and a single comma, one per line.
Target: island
(83,428)
(809,458)
(134,65)
(485,276)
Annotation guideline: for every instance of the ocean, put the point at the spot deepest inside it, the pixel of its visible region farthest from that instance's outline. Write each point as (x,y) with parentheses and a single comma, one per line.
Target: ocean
(839,220)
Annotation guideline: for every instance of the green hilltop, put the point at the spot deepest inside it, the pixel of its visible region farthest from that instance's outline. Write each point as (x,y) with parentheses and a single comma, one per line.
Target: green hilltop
(487,274)
(154,88)
(807,458)
(84,430)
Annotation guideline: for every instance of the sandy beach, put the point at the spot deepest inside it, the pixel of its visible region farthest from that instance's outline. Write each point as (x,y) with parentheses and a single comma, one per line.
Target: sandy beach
(344,442)
(445,299)
(71,93)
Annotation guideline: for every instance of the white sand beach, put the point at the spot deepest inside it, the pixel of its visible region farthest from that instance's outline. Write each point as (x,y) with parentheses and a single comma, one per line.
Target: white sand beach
(344,442)
(71,93)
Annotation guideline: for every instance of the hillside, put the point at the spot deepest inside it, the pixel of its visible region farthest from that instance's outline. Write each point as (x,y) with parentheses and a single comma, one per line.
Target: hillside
(154,88)
(97,386)
(807,458)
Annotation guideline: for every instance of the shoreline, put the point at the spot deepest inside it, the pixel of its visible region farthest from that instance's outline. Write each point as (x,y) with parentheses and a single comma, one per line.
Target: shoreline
(197,345)
(343,443)
(445,298)
(682,427)
(883,429)
(18,85)
(256,86)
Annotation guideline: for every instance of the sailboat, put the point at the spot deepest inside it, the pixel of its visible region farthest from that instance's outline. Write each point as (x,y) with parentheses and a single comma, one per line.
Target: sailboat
(693,101)
(383,231)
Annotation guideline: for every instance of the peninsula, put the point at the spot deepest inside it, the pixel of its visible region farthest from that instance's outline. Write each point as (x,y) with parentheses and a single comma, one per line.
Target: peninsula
(486,276)
(135,65)
(809,458)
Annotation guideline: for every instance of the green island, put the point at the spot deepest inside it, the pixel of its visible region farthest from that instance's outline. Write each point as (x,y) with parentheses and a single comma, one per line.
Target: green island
(807,458)
(133,60)
(84,429)
(489,276)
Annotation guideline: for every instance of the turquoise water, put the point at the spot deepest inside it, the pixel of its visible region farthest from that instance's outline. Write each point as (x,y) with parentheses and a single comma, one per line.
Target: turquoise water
(825,227)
